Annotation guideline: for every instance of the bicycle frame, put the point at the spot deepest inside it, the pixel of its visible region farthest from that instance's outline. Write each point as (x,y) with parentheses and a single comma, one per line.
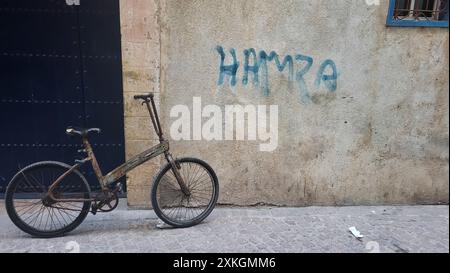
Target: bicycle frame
(113,175)
(120,171)
(129,165)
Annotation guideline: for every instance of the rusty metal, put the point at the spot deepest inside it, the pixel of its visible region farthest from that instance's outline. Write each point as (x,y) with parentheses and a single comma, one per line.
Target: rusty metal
(120,171)
(94,162)
(154,117)
(135,161)
(106,201)
(432,10)
(51,198)
(177,175)
(157,126)
(110,202)
(160,134)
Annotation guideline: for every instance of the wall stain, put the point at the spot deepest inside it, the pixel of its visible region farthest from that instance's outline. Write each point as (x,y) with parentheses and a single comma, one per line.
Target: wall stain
(323,98)
(133,75)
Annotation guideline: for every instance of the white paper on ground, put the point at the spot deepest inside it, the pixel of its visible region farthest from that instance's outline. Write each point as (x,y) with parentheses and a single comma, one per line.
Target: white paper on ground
(355,232)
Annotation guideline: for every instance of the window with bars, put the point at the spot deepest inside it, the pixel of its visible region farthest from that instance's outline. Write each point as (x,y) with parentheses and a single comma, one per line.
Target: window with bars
(425,13)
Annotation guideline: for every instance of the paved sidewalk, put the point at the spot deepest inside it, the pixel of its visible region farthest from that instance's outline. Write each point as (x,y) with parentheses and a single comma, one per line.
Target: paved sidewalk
(260,229)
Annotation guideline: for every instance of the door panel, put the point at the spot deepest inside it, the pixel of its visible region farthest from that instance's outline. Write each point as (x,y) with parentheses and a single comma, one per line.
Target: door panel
(60,65)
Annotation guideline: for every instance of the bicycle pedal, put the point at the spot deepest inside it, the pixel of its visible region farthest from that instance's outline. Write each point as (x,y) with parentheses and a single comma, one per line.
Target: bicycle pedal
(117,188)
(94,209)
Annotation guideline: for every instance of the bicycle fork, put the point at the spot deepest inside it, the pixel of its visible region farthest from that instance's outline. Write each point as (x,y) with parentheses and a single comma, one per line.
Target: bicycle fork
(150,103)
(175,169)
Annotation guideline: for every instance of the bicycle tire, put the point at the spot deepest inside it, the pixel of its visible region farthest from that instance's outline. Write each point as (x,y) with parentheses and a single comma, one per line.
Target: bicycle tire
(33,192)
(157,185)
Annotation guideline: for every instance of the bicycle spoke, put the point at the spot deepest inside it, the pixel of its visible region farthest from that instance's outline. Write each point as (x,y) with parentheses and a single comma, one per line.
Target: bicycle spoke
(34,220)
(25,210)
(200,181)
(34,215)
(66,211)
(62,216)
(42,187)
(174,204)
(31,212)
(194,177)
(55,214)
(40,214)
(28,185)
(40,219)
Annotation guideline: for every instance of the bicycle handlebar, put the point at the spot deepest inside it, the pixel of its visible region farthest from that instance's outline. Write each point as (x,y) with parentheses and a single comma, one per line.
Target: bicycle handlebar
(144,96)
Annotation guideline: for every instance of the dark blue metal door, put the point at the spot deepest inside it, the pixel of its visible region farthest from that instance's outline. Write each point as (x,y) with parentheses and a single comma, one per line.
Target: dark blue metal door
(60,65)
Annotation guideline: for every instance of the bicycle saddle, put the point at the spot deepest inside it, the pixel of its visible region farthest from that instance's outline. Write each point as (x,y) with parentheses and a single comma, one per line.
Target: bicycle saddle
(144,96)
(74,131)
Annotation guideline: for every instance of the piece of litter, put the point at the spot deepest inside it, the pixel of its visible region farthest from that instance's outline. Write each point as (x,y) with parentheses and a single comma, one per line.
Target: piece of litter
(356,232)
(162,225)
(374,212)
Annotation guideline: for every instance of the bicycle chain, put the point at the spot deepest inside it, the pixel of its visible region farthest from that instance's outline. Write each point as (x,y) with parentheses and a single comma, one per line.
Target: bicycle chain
(99,200)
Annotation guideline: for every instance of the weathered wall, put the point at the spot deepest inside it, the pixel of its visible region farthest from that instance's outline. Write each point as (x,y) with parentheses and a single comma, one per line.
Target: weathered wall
(380,136)
(141,73)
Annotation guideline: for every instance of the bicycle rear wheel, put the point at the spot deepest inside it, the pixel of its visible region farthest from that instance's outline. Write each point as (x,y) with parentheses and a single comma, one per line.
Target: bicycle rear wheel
(30,210)
(176,208)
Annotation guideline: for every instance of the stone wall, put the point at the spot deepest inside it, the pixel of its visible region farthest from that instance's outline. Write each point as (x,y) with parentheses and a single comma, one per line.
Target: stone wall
(376,135)
(141,73)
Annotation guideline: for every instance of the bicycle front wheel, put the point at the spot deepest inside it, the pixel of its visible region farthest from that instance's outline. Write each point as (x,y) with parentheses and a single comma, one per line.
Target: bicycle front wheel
(175,207)
(30,209)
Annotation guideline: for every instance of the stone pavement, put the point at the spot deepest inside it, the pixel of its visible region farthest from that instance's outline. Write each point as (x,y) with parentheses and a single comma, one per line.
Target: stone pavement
(255,229)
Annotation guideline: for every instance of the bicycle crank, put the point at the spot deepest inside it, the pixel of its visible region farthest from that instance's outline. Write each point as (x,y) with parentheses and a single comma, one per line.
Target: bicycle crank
(108,201)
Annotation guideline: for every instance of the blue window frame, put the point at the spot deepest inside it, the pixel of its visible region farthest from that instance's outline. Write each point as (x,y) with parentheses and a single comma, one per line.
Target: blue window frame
(418,13)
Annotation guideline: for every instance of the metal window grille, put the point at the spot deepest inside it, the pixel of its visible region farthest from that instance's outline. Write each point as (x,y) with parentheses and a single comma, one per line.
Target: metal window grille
(428,10)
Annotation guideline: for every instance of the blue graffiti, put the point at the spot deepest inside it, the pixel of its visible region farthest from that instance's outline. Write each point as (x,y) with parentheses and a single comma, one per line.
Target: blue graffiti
(256,66)
(251,68)
(261,63)
(304,94)
(329,80)
(230,70)
(280,66)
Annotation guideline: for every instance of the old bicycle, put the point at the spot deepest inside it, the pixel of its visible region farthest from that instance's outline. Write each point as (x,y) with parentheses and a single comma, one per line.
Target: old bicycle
(49,199)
